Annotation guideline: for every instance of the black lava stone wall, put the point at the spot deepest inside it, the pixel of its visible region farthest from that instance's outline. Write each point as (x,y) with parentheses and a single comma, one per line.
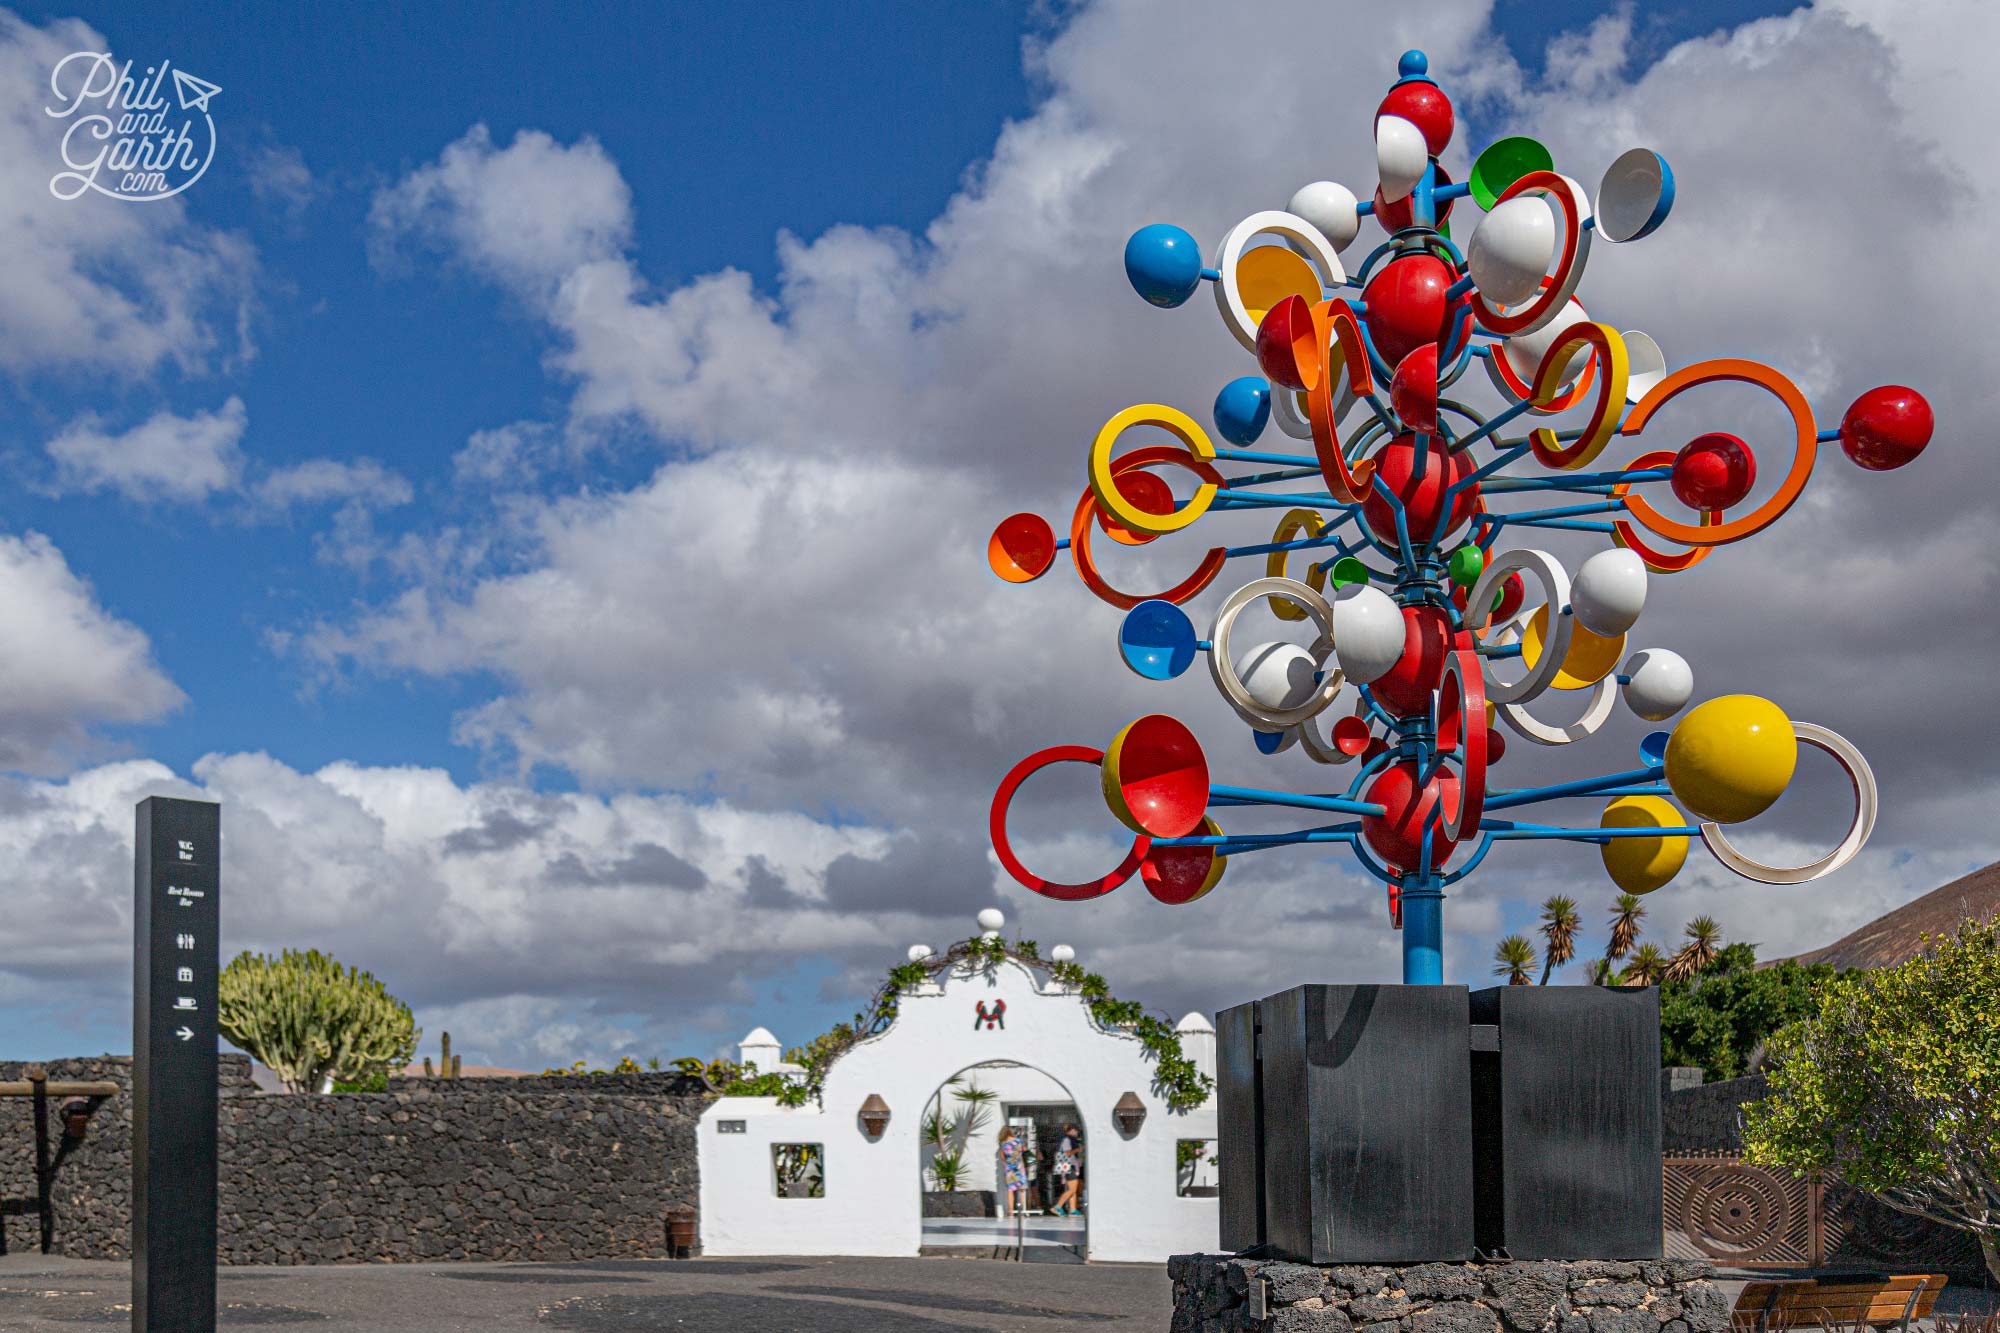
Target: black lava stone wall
(496,1169)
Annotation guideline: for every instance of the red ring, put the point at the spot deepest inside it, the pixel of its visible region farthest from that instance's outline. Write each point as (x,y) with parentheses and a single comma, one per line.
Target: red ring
(997,828)
(1467,741)
(1080,525)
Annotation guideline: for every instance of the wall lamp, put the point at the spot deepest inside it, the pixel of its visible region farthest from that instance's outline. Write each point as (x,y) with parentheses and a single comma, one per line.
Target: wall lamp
(1130,1113)
(874,1115)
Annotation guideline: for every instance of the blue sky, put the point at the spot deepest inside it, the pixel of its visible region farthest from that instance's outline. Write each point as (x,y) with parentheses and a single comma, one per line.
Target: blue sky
(574,714)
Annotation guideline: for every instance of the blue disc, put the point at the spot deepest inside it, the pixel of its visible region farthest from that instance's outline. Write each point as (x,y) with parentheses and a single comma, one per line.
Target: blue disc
(1157,640)
(1268,741)
(1243,409)
(1653,748)
(1163,264)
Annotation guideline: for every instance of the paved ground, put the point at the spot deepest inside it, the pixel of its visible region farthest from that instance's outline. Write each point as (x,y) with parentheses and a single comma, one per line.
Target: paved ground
(599,1296)
(1045,1239)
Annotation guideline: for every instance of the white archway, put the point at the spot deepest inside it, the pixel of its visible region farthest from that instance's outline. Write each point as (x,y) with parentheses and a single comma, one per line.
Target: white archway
(1136,1212)
(1034,1103)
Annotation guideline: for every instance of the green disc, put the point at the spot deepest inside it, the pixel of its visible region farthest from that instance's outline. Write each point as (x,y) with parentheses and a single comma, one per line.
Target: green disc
(1347,570)
(1504,162)
(1466,562)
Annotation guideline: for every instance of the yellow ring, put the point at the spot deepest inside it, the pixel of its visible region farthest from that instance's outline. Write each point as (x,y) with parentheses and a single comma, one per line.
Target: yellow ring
(1294,522)
(1105,486)
(1615,367)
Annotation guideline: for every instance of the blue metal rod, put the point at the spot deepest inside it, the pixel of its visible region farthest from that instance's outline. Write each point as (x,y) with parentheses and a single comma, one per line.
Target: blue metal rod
(1267,478)
(1270,548)
(1257,456)
(1259,796)
(1503,800)
(1423,935)
(1565,511)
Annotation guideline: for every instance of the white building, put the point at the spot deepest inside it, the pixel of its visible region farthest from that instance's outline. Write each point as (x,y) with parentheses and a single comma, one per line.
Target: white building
(1006,1029)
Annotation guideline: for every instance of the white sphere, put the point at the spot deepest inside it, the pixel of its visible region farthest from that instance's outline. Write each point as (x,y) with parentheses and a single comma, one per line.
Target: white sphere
(1524,352)
(1658,683)
(1511,249)
(1400,156)
(1609,592)
(1278,675)
(1329,207)
(1367,632)
(918,952)
(992,919)
(1062,953)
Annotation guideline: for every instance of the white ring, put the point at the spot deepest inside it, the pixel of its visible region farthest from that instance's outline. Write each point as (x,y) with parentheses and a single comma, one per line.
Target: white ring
(1865,796)
(1286,412)
(1527,725)
(1319,750)
(1279,223)
(1224,670)
(1555,583)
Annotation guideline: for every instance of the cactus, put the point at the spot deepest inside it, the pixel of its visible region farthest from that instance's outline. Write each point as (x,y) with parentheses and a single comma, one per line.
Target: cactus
(313,1021)
(450,1063)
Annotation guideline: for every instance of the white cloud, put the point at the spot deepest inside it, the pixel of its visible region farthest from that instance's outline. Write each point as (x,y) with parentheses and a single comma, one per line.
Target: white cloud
(96,286)
(164,458)
(68,664)
(320,480)
(528,214)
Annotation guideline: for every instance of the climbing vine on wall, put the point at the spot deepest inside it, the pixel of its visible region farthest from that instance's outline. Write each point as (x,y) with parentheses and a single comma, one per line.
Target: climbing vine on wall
(1176,1078)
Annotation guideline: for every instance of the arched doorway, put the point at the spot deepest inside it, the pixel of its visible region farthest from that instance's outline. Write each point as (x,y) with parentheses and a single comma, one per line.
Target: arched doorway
(960,1172)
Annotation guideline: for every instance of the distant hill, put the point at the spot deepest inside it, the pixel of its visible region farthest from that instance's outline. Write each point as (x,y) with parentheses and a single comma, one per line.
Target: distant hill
(1898,936)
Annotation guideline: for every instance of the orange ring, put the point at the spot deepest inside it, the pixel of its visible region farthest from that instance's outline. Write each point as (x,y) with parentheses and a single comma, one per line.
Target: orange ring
(1607,348)
(1622,532)
(1335,326)
(1804,452)
(1080,525)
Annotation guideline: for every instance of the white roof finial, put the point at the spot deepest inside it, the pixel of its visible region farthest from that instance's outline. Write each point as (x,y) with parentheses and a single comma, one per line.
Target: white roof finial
(1062,953)
(990,922)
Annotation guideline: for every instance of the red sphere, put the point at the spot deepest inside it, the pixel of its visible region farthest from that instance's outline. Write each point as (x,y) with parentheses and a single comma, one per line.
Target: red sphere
(1377,746)
(1422,497)
(1886,427)
(1713,471)
(1284,327)
(1496,744)
(1406,305)
(1397,835)
(1424,105)
(1413,392)
(1403,213)
(1406,690)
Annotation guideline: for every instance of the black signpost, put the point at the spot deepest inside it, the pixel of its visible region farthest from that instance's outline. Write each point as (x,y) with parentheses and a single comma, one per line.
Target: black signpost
(174,962)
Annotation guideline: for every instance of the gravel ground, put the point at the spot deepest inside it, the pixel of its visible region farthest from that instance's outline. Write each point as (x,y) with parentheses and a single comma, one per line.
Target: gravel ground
(769,1295)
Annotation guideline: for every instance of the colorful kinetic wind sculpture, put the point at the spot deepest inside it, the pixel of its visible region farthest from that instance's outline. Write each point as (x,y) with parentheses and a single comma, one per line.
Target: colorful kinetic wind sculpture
(1418,588)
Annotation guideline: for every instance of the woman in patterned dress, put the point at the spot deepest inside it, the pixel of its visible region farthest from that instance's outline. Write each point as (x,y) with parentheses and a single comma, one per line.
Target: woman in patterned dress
(1014,1170)
(1069,1170)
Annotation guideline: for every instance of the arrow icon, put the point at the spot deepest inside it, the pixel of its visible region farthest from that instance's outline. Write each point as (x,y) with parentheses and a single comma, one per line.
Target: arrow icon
(184,1032)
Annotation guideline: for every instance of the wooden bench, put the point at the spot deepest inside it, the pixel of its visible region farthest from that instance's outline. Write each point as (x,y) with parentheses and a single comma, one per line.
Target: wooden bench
(1843,1300)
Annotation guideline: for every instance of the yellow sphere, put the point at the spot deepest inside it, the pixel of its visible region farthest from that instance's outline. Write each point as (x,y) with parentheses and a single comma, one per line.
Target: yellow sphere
(1591,657)
(1640,865)
(1729,759)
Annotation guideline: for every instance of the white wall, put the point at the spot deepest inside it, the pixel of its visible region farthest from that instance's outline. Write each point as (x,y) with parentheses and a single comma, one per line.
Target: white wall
(873,1200)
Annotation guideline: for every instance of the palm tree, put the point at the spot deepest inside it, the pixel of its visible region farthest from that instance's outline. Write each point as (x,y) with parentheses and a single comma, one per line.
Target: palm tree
(1703,937)
(1559,927)
(1648,965)
(1628,910)
(1600,972)
(1516,960)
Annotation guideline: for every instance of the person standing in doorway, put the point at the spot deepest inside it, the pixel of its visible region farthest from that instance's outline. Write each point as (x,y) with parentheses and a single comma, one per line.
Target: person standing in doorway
(1014,1172)
(1069,1170)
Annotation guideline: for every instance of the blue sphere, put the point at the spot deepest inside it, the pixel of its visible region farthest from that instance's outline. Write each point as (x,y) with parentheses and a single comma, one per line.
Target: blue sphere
(1414,64)
(1243,409)
(1163,263)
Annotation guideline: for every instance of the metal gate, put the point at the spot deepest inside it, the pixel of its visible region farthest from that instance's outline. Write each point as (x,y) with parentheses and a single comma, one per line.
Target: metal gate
(1721,1208)
(1718,1207)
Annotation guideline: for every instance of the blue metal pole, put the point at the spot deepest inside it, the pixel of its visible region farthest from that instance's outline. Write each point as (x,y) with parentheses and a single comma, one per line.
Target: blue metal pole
(1423,933)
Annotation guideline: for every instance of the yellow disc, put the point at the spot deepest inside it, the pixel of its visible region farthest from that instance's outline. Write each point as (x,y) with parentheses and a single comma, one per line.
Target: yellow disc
(1290,526)
(1729,759)
(1591,657)
(1640,865)
(1268,274)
